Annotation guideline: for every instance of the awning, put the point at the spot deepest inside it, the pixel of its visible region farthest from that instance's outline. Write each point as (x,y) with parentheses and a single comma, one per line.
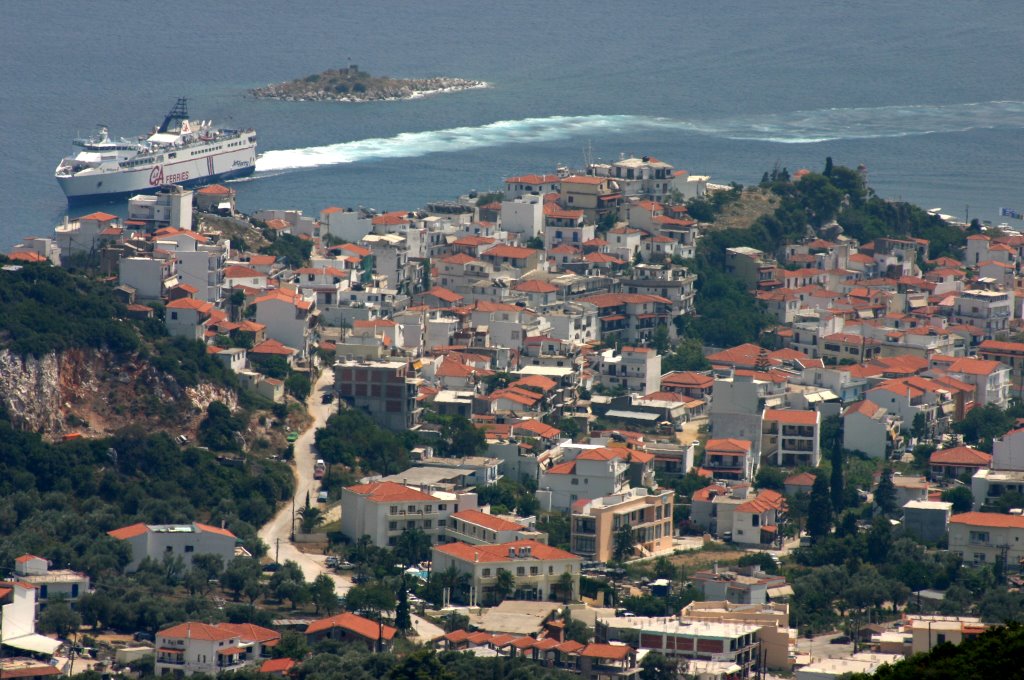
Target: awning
(781,591)
(34,643)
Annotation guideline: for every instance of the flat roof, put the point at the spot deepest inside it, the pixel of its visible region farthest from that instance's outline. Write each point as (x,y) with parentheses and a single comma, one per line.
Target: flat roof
(670,625)
(559,371)
(634,415)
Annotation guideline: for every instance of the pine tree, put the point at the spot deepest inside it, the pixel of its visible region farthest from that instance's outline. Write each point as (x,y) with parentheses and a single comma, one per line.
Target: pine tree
(403,619)
(838,481)
(885,494)
(828,167)
(819,511)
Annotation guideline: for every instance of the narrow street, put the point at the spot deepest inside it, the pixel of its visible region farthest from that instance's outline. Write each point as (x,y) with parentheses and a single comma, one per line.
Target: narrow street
(277,532)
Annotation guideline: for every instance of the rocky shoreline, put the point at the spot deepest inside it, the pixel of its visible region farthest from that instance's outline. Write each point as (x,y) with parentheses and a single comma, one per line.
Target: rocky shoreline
(352,85)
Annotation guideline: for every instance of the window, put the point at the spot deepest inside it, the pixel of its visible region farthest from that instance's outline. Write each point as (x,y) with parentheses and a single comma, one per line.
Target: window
(393,510)
(979,557)
(428,508)
(190,548)
(575,481)
(486,573)
(520,571)
(979,537)
(426,524)
(174,316)
(534,571)
(393,526)
(441,522)
(442,507)
(169,549)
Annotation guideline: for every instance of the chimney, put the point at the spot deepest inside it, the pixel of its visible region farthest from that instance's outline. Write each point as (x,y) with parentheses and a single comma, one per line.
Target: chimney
(716,568)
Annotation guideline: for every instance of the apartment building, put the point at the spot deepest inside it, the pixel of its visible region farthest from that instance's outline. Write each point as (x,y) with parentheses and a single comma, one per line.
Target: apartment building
(157,541)
(736,643)
(475,527)
(386,390)
(349,627)
(383,510)
(536,568)
(729,458)
(778,640)
(984,538)
(990,310)
(594,523)
(791,438)
(195,647)
(635,369)
(871,429)
(64,584)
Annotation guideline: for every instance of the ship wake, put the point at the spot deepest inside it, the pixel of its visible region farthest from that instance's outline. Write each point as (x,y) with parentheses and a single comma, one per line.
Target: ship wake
(799,127)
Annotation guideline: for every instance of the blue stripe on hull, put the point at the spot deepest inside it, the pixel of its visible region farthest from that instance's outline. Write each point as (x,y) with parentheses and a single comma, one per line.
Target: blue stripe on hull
(91,199)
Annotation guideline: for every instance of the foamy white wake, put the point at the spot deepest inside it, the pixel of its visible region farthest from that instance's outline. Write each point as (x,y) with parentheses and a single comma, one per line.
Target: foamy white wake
(800,127)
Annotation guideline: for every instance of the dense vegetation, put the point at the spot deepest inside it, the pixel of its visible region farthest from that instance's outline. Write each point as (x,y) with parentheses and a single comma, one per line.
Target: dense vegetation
(994,654)
(727,314)
(353,439)
(45,309)
(61,499)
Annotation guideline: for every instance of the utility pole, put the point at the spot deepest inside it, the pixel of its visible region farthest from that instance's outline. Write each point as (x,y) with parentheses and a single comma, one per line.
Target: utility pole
(277,550)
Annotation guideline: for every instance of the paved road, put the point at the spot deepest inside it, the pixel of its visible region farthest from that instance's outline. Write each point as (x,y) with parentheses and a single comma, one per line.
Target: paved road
(279,528)
(277,532)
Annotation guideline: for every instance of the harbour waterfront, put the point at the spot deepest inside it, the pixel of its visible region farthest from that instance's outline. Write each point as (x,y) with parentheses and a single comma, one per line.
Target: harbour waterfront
(925,94)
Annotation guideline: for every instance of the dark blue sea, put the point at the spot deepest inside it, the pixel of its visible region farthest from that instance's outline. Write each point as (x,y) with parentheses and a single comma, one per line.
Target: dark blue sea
(926,94)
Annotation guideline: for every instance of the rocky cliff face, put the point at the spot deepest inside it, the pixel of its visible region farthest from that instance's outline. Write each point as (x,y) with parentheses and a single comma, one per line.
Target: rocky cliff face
(96,392)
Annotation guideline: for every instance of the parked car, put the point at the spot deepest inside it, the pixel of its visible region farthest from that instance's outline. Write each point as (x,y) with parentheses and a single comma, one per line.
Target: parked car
(321,497)
(327,398)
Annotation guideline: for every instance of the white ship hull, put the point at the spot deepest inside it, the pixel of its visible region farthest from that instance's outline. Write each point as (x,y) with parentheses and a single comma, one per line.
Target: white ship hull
(111,182)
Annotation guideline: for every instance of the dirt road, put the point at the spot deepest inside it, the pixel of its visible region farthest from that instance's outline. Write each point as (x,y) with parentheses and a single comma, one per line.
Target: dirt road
(277,532)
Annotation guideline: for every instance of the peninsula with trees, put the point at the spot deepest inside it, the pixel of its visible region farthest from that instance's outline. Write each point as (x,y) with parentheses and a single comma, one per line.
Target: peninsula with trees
(352,85)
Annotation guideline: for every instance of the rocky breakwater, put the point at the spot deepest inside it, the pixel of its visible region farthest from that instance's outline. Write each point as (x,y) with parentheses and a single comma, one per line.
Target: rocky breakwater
(352,85)
(97,392)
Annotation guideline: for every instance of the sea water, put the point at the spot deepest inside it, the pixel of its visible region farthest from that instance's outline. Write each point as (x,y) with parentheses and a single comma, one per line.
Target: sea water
(926,95)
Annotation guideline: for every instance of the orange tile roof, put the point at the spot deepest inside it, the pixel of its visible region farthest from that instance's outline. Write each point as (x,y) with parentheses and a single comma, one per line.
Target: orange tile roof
(499,552)
(190,303)
(195,630)
(129,531)
(271,346)
(387,492)
(215,530)
(514,252)
(283,665)
(25,256)
(601,651)
(988,519)
(865,407)
(249,632)
(789,417)
(239,272)
(801,479)
(566,468)
(728,445)
(366,628)
(443,294)
(617,299)
(99,217)
(538,428)
(215,190)
(583,179)
(26,558)
(961,455)
(486,520)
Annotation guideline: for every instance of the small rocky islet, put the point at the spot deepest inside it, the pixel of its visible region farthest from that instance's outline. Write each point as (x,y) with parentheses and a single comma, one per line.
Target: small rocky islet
(352,85)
